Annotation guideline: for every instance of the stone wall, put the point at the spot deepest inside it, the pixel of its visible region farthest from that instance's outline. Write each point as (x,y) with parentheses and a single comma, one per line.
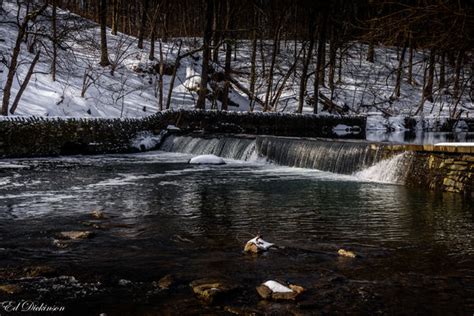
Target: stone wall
(33,137)
(440,168)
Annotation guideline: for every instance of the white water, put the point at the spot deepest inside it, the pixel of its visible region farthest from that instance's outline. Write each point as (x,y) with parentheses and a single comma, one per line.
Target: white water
(387,171)
(357,160)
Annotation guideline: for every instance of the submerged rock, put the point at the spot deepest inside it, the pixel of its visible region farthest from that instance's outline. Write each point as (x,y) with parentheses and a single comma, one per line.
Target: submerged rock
(207,160)
(98,214)
(346,253)
(37,271)
(166,282)
(277,291)
(210,289)
(75,235)
(10,289)
(257,245)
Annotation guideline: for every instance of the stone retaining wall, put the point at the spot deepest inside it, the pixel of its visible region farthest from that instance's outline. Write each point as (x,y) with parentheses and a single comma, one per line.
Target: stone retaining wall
(30,137)
(441,168)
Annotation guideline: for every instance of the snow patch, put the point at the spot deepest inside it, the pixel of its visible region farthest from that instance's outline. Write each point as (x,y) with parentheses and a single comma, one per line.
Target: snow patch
(207,160)
(277,287)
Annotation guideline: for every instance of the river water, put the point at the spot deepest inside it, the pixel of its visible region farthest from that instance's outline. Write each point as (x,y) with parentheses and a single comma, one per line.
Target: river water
(163,216)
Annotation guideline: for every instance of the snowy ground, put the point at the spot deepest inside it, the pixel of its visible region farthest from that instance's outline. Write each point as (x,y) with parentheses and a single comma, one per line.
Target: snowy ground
(126,93)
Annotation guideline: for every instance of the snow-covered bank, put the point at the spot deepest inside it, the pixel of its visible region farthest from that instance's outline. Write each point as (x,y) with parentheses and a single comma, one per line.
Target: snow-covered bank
(85,89)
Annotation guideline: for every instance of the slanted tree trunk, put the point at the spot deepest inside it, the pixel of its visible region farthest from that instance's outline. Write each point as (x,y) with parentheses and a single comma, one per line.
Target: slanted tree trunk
(104,55)
(206,54)
(173,77)
(276,44)
(398,82)
(141,32)
(25,82)
(12,67)
(304,73)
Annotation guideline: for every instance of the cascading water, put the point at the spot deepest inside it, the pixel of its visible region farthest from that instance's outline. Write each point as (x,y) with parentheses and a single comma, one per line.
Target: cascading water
(226,147)
(333,156)
(391,170)
(361,159)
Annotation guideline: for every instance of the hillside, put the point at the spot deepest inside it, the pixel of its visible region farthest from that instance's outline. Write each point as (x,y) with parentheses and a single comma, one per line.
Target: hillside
(131,90)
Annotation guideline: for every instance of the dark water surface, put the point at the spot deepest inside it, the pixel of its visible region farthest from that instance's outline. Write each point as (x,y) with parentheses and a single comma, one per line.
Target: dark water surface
(416,249)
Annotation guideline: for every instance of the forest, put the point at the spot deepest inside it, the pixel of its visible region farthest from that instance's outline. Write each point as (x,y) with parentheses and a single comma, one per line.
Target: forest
(298,56)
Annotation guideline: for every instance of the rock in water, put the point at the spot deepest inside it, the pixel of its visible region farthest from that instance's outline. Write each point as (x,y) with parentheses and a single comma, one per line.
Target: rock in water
(75,235)
(10,289)
(277,291)
(210,289)
(207,160)
(165,282)
(98,214)
(346,253)
(257,245)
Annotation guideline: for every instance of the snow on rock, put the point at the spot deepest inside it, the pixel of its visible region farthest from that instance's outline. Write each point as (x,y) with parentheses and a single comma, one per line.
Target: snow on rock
(147,141)
(193,79)
(257,244)
(277,287)
(207,160)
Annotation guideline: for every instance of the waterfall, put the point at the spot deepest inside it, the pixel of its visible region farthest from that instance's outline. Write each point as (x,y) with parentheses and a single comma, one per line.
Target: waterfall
(327,155)
(343,157)
(391,170)
(226,147)
(361,159)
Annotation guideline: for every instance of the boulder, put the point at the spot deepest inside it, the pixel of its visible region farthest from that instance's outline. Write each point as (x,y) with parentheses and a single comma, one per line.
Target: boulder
(75,235)
(10,289)
(211,289)
(166,282)
(346,253)
(257,245)
(277,291)
(98,214)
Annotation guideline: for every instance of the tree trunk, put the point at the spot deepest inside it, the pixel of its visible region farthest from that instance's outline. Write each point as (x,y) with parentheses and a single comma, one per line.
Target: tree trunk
(442,72)
(332,61)
(304,74)
(115,16)
(141,32)
(14,60)
(54,41)
(253,63)
(25,82)
(227,68)
(173,77)
(206,54)
(410,65)
(398,82)
(104,55)
(457,73)
(160,84)
(319,60)
(371,52)
(428,89)
(276,41)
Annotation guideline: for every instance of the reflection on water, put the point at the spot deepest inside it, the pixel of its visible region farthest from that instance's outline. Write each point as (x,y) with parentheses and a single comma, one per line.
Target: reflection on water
(419,137)
(165,216)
